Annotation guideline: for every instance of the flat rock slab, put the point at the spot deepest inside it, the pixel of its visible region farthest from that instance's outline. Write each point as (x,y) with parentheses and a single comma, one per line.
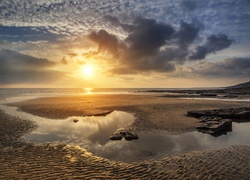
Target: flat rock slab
(230,113)
(215,126)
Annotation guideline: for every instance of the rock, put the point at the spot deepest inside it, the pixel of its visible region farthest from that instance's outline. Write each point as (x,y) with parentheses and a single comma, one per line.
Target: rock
(219,121)
(208,94)
(230,113)
(116,136)
(216,126)
(119,134)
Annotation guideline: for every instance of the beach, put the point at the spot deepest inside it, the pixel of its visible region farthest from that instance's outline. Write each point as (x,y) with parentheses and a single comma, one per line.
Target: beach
(156,112)
(153,115)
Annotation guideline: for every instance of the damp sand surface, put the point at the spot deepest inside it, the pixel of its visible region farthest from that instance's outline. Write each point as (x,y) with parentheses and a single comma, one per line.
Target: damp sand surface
(152,113)
(22,160)
(92,133)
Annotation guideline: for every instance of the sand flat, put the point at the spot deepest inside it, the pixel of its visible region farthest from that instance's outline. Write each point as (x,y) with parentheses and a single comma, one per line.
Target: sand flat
(152,112)
(21,160)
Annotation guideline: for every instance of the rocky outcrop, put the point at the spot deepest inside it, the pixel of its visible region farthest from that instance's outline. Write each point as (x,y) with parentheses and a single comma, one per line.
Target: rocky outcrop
(127,135)
(214,125)
(219,121)
(231,113)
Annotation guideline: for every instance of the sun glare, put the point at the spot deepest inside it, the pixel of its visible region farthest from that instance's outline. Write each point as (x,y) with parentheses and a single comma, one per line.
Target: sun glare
(88,91)
(87,71)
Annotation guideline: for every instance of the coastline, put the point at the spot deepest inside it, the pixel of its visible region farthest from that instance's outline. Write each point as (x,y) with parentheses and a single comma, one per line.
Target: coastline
(157,113)
(32,160)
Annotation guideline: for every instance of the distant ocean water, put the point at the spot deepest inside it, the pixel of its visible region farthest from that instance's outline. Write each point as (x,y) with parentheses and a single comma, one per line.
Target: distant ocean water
(8,95)
(18,94)
(15,94)
(28,91)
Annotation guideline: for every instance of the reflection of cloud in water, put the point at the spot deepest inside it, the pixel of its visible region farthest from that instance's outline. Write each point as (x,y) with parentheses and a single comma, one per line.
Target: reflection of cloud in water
(94,129)
(92,133)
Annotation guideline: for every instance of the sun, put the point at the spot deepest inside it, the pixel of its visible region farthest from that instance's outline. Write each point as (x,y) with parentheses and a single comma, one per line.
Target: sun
(87,70)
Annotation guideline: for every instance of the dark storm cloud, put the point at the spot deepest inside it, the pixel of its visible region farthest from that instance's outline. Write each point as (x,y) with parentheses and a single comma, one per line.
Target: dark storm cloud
(147,37)
(176,54)
(188,33)
(154,46)
(142,52)
(20,68)
(106,42)
(231,67)
(145,64)
(213,44)
(238,63)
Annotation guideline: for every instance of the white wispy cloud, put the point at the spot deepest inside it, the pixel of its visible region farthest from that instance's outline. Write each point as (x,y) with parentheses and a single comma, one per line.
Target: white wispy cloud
(83,16)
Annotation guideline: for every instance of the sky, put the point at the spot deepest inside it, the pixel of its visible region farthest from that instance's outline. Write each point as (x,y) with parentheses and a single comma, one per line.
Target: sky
(124,43)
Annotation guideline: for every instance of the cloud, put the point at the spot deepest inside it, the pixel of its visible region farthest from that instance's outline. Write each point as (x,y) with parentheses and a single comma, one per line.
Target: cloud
(140,51)
(74,17)
(230,67)
(71,55)
(122,70)
(106,42)
(147,37)
(114,21)
(154,46)
(20,68)
(213,44)
(189,5)
(129,46)
(26,34)
(188,33)
(64,61)
(143,52)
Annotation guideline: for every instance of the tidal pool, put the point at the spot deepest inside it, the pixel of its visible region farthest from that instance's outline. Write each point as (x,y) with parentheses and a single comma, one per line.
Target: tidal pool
(92,133)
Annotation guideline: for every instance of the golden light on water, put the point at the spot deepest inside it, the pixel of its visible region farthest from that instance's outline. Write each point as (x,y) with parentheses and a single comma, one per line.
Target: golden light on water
(88,90)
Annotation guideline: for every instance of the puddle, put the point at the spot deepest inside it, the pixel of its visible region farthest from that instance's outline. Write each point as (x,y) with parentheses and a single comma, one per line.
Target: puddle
(153,146)
(92,133)
(95,130)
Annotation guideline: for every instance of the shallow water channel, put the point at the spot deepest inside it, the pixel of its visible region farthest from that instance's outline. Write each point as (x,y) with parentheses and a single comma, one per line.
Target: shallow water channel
(92,133)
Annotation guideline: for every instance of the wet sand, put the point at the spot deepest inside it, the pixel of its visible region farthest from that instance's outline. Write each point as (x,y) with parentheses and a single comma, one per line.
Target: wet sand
(21,160)
(152,113)
(65,162)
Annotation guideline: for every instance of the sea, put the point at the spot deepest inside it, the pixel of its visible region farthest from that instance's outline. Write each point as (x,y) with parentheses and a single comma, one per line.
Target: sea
(8,95)
(18,94)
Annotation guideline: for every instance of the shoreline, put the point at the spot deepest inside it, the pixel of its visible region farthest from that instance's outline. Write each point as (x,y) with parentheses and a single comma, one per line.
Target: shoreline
(157,113)
(32,160)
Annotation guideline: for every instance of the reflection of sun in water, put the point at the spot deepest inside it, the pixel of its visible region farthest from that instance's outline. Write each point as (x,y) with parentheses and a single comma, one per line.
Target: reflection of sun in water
(87,70)
(88,90)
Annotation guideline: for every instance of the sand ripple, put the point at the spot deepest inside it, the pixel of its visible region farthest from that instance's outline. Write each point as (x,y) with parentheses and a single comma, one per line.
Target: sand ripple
(67,162)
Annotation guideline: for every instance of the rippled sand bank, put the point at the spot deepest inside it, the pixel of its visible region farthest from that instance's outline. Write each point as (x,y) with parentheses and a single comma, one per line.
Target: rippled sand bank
(65,162)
